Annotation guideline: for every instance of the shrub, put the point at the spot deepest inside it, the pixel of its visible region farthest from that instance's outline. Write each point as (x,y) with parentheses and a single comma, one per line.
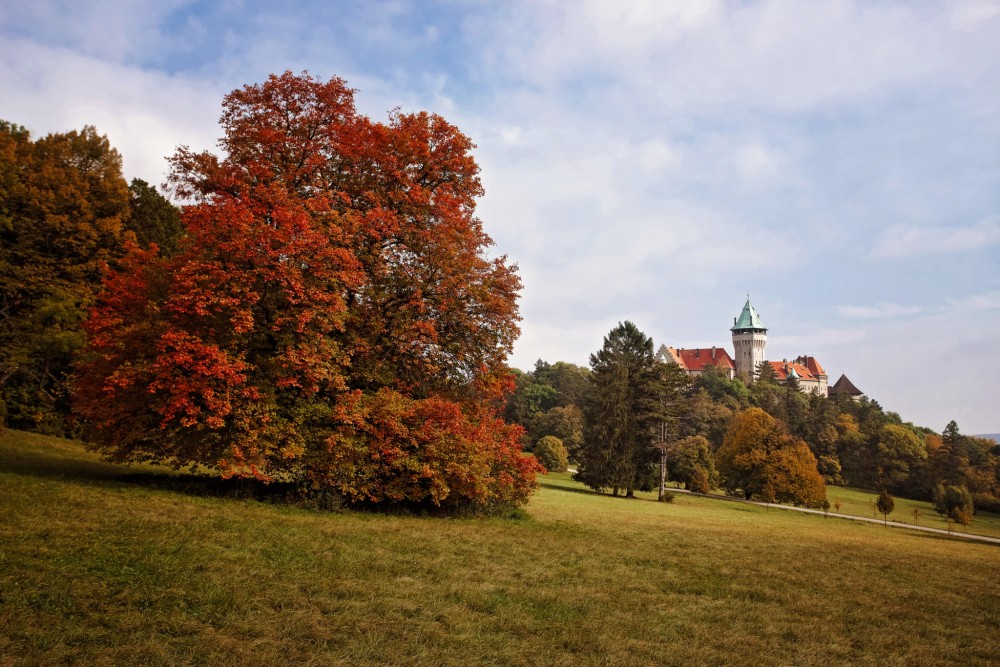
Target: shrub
(551,453)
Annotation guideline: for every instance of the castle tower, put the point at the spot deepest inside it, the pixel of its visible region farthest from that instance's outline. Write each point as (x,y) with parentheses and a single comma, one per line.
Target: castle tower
(749,340)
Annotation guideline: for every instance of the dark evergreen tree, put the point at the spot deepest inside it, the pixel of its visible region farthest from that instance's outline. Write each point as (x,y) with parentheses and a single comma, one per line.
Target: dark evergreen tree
(152,218)
(622,412)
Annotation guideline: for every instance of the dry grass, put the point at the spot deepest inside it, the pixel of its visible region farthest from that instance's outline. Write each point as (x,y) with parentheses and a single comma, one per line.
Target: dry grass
(100,568)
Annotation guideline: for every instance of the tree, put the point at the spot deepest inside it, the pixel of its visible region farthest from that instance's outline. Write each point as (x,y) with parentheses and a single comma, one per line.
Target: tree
(621,413)
(758,456)
(671,386)
(62,204)
(690,458)
(706,418)
(565,423)
(954,502)
(152,218)
(885,505)
(698,481)
(765,392)
(551,453)
(568,380)
(529,397)
(330,315)
(729,392)
(900,450)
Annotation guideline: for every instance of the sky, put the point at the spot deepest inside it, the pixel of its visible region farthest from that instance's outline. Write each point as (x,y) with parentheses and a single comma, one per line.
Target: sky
(645,160)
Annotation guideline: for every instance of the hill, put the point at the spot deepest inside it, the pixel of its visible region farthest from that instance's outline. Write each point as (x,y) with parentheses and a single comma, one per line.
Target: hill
(102,565)
(990,436)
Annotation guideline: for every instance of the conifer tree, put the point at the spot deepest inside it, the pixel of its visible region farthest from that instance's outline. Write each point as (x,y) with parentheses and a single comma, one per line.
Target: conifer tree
(622,412)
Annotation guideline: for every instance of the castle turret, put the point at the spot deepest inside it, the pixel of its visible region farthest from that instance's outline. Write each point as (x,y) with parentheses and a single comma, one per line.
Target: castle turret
(749,341)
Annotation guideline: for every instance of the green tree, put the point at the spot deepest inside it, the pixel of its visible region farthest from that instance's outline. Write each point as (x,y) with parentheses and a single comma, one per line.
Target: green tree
(671,388)
(765,391)
(899,451)
(690,458)
(551,453)
(530,396)
(622,412)
(732,393)
(152,218)
(568,380)
(885,504)
(565,423)
(954,502)
(706,418)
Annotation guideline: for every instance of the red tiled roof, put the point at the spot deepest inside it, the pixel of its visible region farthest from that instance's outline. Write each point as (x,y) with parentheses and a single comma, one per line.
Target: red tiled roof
(697,358)
(811,364)
(783,368)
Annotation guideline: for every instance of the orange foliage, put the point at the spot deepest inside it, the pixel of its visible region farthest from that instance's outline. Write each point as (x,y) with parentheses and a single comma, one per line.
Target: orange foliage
(760,459)
(330,315)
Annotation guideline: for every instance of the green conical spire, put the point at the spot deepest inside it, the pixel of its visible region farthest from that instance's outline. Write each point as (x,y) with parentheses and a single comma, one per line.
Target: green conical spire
(748,319)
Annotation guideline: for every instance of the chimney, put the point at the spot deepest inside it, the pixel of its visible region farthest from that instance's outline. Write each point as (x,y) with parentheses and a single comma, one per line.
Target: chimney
(713,352)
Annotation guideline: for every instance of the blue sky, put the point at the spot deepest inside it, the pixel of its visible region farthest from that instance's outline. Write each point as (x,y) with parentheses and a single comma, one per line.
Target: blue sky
(645,160)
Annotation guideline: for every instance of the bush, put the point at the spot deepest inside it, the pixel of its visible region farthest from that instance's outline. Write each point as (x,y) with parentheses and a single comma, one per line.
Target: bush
(551,453)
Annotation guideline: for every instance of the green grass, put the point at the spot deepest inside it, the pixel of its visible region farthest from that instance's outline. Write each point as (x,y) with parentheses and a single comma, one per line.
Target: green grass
(858,502)
(98,566)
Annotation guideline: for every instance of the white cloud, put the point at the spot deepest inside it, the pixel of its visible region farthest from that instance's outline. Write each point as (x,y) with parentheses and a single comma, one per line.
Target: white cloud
(968,15)
(977,302)
(756,163)
(145,114)
(904,240)
(658,155)
(775,54)
(878,311)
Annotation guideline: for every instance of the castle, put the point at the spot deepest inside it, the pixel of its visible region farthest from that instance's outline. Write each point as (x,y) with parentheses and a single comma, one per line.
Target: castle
(749,341)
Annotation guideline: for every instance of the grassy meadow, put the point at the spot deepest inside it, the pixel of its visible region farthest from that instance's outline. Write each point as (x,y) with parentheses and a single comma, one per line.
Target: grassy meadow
(858,502)
(101,564)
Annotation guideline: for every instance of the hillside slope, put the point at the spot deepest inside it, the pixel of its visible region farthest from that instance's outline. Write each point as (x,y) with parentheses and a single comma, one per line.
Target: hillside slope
(98,565)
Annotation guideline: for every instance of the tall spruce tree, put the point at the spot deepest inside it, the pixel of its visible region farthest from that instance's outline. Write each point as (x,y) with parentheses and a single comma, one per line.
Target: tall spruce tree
(622,412)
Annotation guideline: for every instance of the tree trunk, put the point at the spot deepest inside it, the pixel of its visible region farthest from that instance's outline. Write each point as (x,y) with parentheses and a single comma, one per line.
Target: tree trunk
(663,474)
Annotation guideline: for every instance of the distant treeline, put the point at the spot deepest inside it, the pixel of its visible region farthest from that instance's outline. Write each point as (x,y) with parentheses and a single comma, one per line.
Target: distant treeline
(854,442)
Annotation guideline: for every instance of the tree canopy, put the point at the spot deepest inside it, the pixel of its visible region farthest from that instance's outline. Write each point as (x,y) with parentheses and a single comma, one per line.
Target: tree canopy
(63,202)
(330,315)
(762,460)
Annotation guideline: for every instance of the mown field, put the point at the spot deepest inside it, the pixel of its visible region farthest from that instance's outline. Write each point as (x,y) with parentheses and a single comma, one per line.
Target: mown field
(99,565)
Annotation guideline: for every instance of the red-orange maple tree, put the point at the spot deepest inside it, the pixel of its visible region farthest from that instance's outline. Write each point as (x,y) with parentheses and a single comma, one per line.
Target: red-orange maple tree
(330,317)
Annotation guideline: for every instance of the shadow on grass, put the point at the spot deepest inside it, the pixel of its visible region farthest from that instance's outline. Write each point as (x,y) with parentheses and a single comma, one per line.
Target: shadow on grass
(45,463)
(589,492)
(562,487)
(67,465)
